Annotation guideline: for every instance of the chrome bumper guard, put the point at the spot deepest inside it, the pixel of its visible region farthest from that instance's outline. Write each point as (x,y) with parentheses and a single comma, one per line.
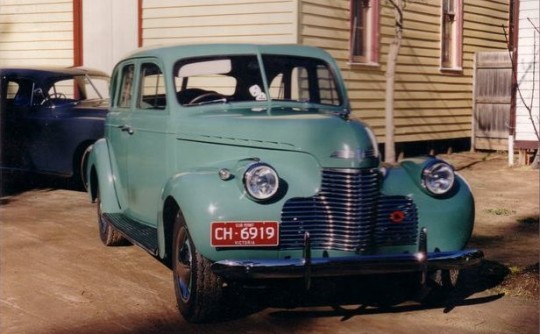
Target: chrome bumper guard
(308,267)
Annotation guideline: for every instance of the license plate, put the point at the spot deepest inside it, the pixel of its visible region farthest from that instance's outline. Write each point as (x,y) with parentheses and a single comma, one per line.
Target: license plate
(245,234)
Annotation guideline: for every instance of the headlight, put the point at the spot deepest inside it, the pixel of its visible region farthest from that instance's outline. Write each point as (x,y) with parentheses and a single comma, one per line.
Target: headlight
(261,181)
(438,177)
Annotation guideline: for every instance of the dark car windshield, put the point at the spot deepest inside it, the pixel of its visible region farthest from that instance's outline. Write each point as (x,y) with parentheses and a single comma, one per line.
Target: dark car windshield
(77,88)
(239,78)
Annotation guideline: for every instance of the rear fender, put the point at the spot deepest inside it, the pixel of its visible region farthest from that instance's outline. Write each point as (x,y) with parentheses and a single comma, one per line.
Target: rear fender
(100,175)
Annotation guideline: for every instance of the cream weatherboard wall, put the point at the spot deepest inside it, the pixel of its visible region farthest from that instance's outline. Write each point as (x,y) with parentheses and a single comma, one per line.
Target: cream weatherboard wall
(36,32)
(430,104)
(228,21)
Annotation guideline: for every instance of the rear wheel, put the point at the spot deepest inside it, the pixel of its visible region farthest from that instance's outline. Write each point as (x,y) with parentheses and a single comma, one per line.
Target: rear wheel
(199,292)
(80,173)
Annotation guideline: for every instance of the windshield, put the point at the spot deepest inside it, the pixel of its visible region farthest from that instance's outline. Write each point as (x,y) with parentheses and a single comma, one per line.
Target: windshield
(301,79)
(238,79)
(75,89)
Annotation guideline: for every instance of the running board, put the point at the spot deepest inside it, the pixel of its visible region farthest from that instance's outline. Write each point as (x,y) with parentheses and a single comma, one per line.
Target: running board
(139,234)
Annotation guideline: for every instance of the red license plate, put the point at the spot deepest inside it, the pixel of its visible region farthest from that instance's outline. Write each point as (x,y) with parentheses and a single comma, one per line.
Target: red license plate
(245,234)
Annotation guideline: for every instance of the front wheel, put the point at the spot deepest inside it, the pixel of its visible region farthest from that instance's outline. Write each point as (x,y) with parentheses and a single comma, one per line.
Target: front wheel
(199,292)
(441,285)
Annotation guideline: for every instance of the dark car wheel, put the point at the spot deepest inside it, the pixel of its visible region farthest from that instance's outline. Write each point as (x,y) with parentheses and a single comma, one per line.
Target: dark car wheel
(107,233)
(199,292)
(80,173)
(441,284)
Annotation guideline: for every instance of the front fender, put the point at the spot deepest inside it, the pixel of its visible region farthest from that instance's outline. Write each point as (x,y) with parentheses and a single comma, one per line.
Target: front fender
(100,175)
(204,198)
(449,219)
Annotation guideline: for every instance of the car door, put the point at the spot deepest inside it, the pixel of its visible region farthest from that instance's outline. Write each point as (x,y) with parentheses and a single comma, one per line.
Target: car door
(149,128)
(26,126)
(117,130)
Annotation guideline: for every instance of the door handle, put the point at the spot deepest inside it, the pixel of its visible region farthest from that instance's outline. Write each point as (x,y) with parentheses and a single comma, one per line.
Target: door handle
(126,128)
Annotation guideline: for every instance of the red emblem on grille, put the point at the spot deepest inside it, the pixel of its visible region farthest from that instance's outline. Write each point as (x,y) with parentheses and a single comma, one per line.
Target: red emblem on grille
(397,216)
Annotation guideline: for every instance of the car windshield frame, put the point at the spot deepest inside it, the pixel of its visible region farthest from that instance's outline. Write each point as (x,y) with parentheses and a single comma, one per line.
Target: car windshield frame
(79,88)
(240,78)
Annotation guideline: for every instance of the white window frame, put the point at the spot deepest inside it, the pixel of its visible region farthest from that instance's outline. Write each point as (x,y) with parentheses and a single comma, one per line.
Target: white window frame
(451,35)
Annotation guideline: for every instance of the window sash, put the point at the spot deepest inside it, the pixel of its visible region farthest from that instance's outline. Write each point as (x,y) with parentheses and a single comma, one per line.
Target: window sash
(364,31)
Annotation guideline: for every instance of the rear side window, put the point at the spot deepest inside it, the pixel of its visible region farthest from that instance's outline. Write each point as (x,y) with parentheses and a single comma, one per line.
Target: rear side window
(125,95)
(12,89)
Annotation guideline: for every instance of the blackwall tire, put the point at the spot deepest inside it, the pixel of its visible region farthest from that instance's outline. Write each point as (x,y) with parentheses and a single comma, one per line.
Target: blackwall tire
(199,292)
(441,284)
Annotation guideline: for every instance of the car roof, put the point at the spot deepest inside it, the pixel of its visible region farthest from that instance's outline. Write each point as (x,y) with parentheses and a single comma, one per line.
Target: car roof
(47,71)
(174,52)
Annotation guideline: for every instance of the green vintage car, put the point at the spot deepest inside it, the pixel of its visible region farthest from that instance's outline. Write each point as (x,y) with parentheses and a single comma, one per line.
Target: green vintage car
(239,163)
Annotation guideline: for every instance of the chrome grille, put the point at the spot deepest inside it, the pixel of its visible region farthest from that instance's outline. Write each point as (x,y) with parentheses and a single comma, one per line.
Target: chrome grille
(391,233)
(348,214)
(341,216)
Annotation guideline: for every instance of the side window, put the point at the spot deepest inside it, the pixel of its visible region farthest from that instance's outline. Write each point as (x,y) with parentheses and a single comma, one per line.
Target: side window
(12,89)
(451,34)
(151,88)
(64,89)
(20,92)
(126,87)
(364,30)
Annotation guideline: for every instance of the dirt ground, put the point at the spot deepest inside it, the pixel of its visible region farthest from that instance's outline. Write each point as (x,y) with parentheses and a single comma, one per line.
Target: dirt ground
(57,277)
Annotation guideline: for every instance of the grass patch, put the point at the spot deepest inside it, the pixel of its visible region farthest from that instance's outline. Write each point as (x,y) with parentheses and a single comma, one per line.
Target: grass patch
(501,212)
(521,282)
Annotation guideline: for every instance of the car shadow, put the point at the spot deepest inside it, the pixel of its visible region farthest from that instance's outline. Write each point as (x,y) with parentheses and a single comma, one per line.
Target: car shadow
(347,304)
(12,184)
(361,310)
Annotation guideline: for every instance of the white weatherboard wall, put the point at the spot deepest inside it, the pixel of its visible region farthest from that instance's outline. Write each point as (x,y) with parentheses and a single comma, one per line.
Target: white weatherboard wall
(109,32)
(528,67)
(36,32)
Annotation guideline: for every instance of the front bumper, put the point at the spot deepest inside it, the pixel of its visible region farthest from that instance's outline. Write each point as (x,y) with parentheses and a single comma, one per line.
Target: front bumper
(346,266)
(308,267)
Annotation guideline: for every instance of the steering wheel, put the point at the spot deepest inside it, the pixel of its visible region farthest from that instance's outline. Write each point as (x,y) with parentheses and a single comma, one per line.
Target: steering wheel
(55,95)
(206,96)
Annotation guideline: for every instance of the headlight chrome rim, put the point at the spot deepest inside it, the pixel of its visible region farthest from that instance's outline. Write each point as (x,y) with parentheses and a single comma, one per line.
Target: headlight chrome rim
(261,181)
(438,178)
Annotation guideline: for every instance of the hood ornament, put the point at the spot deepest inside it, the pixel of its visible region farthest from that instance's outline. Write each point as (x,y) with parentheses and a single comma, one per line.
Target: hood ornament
(357,154)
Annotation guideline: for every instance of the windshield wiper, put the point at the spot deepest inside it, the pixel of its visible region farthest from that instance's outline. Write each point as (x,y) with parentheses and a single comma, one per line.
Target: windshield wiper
(222,100)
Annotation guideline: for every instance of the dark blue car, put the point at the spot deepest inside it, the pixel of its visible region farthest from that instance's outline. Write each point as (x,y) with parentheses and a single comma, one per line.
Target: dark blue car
(49,117)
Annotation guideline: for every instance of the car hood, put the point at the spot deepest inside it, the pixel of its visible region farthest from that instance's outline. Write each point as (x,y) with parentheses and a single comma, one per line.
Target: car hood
(331,139)
(87,108)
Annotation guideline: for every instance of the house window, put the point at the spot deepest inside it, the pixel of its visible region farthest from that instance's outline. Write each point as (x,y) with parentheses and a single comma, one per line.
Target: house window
(451,34)
(364,31)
